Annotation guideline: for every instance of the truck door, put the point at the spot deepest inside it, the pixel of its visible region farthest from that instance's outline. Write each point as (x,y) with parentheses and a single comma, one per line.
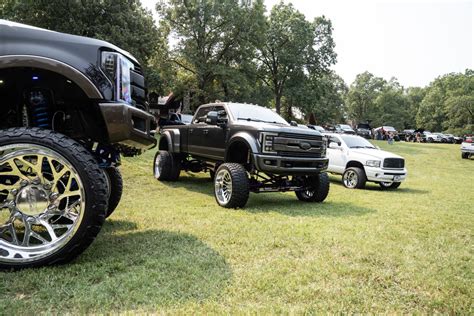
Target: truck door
(216,136)
(336,155)
(197,135)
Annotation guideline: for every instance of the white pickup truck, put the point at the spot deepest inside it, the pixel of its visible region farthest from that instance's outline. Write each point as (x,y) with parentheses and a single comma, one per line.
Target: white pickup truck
(467,148)
(358,161)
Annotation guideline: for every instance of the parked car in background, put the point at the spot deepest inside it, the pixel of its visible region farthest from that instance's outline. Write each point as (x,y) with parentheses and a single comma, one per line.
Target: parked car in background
(317,128)
(467,148)
(384,131)
(364,130)
(358,161)
(407,135)
(444,138)
(186,118)
(344,129)
(453,139)
(175,119)
(432,137)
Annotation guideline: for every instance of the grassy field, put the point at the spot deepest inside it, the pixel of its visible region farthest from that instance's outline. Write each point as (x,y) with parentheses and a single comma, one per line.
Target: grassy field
(170,248)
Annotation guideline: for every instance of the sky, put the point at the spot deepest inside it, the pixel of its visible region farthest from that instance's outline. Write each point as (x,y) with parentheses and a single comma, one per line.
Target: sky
(413,41)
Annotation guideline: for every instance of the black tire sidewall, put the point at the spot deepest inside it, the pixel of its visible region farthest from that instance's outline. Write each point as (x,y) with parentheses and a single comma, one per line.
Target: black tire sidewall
(240,185)
(115,187)
(94,185)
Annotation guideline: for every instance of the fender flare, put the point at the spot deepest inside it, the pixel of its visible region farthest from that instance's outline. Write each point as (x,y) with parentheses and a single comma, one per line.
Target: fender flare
(172,137)
(32,61)
(246,138)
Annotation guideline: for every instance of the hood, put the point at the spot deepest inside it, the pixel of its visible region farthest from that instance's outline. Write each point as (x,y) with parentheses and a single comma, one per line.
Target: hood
(276,128)
(31,33)
(373,153)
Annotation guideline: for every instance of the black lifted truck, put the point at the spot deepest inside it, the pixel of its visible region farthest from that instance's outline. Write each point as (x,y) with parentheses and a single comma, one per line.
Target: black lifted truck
(246,148)
(69,107)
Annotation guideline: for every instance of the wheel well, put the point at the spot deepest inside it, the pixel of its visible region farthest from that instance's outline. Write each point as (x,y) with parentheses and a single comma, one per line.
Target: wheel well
(238,152)
(356,164)
(163,145)
(29,94)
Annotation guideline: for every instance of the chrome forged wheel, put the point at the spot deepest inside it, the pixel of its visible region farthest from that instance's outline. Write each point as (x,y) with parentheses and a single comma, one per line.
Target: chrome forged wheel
(53,198)
(350,179)
(223,186)
(354,178)
(42,202)
(231,185)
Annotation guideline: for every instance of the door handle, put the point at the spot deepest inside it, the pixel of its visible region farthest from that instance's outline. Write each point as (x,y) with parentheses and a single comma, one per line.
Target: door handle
(205,132)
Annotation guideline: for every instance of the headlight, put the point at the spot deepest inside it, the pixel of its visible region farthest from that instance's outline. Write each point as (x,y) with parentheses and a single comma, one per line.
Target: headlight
(267,142)
(117,68)
(324,147)
(373,163)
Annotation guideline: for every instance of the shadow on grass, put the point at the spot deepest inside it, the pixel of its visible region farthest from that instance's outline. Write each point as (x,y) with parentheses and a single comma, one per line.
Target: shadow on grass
(126,271)
(370,186)
(286,204)
(291,206)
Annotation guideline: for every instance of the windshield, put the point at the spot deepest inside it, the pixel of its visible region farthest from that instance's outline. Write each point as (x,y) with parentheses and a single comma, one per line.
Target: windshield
(255,113)
(356,142)
(343,126)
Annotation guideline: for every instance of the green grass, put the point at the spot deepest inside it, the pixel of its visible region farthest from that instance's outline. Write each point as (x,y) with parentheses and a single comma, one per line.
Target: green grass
(170,248)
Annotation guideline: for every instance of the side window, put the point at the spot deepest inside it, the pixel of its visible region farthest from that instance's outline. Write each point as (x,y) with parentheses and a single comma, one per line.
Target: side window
(200,116)
(221,113)
(333,139)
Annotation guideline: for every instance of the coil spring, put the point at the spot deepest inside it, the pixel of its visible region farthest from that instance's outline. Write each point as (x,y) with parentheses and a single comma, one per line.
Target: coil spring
(39,108)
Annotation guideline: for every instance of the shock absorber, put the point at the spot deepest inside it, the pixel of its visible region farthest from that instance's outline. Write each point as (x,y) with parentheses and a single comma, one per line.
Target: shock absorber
(39,108)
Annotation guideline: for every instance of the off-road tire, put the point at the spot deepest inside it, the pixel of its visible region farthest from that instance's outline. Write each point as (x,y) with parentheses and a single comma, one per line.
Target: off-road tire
(239,194)
(166,166)
(392,185)
(360,178)
(319,189)
(115,184)
(94,184)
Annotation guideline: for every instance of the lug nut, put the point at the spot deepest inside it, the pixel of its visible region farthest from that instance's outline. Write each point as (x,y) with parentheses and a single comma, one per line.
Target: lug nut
(53,196)
(36,181)
(24,183)
(47,186)
(14,192)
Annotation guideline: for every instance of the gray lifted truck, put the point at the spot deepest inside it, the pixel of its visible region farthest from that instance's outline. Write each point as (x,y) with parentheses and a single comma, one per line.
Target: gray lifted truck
(69,107)
(246,148)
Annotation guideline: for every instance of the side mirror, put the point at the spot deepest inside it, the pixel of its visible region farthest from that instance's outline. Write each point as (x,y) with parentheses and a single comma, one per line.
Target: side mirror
(211,118)
(293,123)
(335,145)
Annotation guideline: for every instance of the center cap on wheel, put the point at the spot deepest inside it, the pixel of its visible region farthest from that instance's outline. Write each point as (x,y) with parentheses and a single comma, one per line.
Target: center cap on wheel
(32,200)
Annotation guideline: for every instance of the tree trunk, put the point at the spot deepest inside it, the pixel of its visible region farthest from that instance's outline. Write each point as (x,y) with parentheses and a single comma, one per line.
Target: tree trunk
(278,103)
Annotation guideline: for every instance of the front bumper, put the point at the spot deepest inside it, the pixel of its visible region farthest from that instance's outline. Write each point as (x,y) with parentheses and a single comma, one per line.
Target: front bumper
(290,165)
(129,126)
(468,150)
(385,175)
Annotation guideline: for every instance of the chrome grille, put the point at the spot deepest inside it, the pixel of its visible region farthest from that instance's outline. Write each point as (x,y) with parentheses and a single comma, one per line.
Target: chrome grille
(299,145)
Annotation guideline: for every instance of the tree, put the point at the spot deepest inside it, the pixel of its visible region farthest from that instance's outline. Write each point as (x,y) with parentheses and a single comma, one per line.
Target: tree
(449,104)
(216,39)
(414,96)
(291,47)
(362,95)
(124,23)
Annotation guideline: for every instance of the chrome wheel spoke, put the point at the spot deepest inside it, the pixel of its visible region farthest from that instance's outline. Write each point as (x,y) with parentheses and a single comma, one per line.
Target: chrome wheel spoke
(45,199)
